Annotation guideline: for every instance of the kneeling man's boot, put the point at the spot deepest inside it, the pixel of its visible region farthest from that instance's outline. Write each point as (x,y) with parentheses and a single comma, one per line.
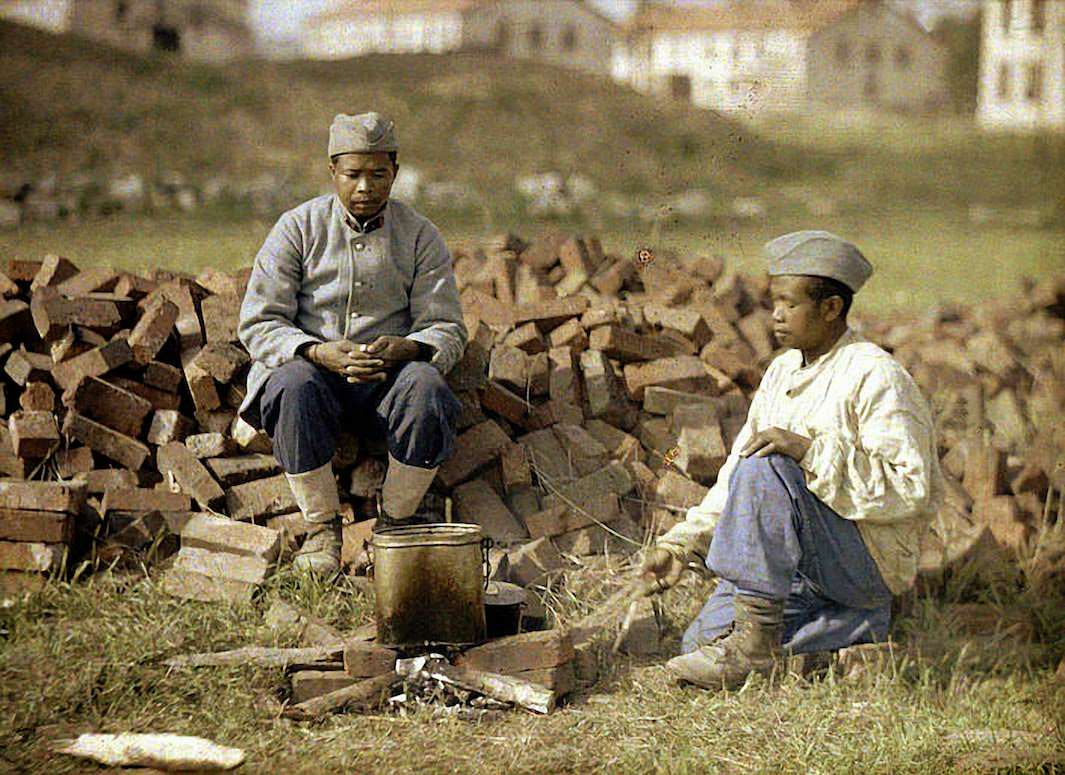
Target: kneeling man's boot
(402,494)
(753,646)
(316,494)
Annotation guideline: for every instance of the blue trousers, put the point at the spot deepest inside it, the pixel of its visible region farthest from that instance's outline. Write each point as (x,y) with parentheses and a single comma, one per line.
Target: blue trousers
(777,540)
(304,408)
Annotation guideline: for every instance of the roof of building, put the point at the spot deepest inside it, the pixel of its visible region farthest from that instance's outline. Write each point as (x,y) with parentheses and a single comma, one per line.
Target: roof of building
(741,15)
(361,8)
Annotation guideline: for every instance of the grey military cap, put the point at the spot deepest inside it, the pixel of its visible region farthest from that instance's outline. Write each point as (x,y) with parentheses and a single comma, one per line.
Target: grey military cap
(818,253)
(364,133)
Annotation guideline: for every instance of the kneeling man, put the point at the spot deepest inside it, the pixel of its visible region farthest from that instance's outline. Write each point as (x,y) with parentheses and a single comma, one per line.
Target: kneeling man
(816,516)
(352,317)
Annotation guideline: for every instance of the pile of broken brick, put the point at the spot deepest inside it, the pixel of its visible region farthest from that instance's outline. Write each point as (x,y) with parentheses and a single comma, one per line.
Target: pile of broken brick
(600,395)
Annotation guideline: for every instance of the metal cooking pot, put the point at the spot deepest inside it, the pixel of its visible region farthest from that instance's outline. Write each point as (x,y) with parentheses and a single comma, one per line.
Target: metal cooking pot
(429,584)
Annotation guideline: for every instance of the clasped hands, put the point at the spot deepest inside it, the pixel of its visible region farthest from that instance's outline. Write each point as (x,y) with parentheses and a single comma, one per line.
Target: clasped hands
(360,363)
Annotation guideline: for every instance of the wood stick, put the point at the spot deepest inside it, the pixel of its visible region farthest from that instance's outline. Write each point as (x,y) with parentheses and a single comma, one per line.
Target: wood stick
(499,687)
(364,695)
(256,655)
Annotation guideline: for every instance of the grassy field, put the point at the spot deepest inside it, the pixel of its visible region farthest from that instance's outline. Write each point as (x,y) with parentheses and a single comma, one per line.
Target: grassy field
(88,657)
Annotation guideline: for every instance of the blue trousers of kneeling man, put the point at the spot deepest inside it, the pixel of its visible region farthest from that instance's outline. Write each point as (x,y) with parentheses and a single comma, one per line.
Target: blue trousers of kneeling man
(777,540)
(304,408)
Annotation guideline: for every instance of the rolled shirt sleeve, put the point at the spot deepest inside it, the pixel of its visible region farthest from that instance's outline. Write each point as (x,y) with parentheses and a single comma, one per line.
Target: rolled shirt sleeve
(884,476)
(435,308)
(266,327)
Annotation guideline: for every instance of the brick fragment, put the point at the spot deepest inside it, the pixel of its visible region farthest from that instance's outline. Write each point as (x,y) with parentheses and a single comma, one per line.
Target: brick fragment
(260,498)
(514,468)
(532,562)
(619,445)
(549,315)
(308,684)
(629,347)
(153,329)
(510,406)
(159,399)
(47,527)
(169,425)
(221,360)
(205,445)
(509,366)
(679,492)
(109,405)
(53,314)
(94,363)
(526,338)
(71,462)
(33,434)
(664,401)
(585,453)
(37,397)
(53,270)
(89,280)
(570,334)
(201,384)
(684,372)
(175,459)
(219,534)
(143,499)
(606,397)
(547,457)
(110,443)
(101,480)
(702,452)
(221,313)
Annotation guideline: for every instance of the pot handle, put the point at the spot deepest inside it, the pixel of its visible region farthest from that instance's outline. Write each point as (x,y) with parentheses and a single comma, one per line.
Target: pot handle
(486,544)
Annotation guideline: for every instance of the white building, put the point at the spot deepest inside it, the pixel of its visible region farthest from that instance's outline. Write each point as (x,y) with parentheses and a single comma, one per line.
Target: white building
(49,15)
(1022,65)
(563,32)
(782,55)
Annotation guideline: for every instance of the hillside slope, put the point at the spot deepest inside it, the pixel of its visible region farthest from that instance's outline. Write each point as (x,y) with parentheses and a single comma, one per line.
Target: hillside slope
(71,105)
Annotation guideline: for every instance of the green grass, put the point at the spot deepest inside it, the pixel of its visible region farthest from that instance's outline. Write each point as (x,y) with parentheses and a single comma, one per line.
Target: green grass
(89,656)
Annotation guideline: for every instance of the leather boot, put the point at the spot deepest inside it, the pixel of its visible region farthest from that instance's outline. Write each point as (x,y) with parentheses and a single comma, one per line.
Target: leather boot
(316,494)
(752,646)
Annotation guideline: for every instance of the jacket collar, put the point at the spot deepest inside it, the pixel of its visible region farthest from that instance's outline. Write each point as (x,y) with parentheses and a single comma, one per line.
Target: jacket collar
(374,222)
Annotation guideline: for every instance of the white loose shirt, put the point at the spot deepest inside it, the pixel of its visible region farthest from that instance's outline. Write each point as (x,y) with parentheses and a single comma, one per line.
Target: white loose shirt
(873,457)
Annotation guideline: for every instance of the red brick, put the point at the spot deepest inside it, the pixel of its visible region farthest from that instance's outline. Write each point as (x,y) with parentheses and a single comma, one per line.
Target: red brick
(221,313)
(367,660)
(190,474)
(526,338)
(144,499)
(89,280)
(159,399)
(514,468)
(509,366)
(684,372)
(605,395)
(222,565)
(163,376)
(33,434)
(201,385)
(37,397)
(474,450)
(243,468)
(679,492)
(110,443)
(36,526)
(73,461)
(221,360)
(35,557)
(52,314)
(539,370)
(109,405)
(187,296)
(619,445)
(153,329)
(134,286)
(518,653)
(570,334)
(628,347)
(547,457)
(221,534)
(260,498)
(24,367)
(532,562)
(94,363)
(169,425)
(65,497)
(702,452)
(52,271)
(548,315)
(510,406)
(207,445)
(488,309)
(308,684)
(101,480)
(564,384)
(477,503)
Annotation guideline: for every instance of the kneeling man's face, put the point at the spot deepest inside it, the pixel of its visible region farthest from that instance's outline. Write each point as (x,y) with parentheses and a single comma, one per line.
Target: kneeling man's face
(363,181)
(799,321)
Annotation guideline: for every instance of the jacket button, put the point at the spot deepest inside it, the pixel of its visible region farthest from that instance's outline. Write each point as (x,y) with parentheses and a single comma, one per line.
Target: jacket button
(359,246)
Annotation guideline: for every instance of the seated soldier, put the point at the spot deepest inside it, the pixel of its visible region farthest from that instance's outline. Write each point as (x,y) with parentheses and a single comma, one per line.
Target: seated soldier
(816,515)
(352,317)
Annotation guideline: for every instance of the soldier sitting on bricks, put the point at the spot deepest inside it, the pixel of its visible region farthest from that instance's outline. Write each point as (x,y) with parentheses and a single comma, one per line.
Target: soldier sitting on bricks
(815,518)
(352,317)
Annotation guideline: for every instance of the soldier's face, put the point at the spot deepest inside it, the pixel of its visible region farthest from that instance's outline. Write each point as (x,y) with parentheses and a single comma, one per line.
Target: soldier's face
(799,320)
(363,180)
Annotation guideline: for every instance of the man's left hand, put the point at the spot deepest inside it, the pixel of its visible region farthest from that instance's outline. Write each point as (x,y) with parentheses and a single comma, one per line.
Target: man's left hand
(777,441)
(393,350)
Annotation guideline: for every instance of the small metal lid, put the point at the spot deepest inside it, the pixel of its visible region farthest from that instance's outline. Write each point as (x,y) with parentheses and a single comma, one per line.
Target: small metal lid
(439,534)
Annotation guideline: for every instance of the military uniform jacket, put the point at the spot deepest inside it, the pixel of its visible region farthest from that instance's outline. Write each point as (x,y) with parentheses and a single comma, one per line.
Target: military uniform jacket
(316,279)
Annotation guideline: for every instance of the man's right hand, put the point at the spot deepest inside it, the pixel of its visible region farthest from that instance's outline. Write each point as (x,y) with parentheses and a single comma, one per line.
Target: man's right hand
(347,359)
(661,570)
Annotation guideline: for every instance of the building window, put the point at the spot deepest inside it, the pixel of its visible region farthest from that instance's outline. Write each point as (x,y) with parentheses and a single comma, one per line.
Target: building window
(902,58)
(1002,89)
(872,53)
(536,36)
(1039,15)
(1007,15)
(121,11)
(1034,86)
(569,38)
(843,51)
